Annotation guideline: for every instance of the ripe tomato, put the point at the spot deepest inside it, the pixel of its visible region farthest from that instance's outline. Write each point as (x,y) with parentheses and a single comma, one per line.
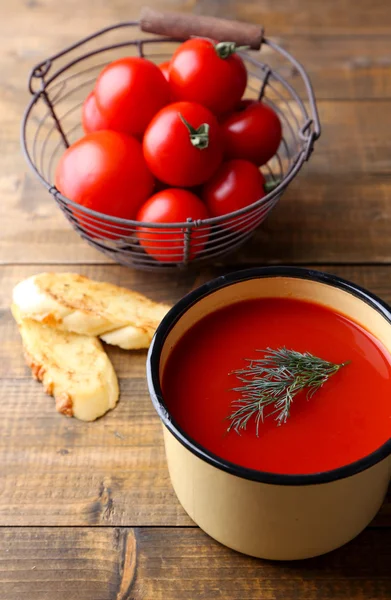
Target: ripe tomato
(172,206)
(129,92)
(91,117)
(182,144)
(236,184)
(164,67)
(253,132)
(106,172)
(207,73)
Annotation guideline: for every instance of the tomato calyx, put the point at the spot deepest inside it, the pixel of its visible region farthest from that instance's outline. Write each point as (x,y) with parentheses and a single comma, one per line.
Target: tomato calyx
(226,49)
(271,185)
(198,137)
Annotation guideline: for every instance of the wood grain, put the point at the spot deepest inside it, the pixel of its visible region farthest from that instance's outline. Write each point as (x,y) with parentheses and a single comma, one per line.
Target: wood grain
(45,19)
(192,566)
(67,564)
(57,471)
(304,17)
(164,564)
(60,471)
(345,68)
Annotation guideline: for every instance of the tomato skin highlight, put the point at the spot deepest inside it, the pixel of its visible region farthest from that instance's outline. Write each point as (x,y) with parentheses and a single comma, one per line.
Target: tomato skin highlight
(129,92)
(237,184)
(198,74)
(165,69)
(253,132)
(168,150)
(106,172)
(91,116)
(171,205)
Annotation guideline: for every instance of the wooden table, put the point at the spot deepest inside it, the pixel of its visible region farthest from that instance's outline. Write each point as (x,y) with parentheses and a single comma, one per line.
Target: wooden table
(87,510)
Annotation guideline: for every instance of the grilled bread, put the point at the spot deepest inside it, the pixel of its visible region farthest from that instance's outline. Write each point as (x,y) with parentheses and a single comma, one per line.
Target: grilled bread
(73,368)
(74,303)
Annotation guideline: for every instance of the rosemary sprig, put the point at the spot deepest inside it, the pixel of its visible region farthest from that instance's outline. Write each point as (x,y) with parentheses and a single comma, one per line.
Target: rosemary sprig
(274,381)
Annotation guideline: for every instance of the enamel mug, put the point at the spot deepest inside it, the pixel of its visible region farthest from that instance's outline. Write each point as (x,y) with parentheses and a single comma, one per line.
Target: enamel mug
(270,515)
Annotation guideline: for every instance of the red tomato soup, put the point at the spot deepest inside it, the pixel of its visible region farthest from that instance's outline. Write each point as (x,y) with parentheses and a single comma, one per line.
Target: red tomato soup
(347,419)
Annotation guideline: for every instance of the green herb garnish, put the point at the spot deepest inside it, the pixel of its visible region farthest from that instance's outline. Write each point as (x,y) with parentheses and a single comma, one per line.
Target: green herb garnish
(274,381)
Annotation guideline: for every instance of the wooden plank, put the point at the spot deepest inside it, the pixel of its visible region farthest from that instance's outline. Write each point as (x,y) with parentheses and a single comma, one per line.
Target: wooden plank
(67,564)
(346,181)
(341,68)
(304,17)
(60,471)
(333,217)
(192,566)
(165,564)
(45,18)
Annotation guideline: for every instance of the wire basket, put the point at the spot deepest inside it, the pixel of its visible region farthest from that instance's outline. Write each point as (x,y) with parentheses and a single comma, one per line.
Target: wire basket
(52,121)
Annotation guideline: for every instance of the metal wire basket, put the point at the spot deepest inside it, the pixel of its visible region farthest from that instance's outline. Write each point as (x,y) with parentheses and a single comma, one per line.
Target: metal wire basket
(52,121)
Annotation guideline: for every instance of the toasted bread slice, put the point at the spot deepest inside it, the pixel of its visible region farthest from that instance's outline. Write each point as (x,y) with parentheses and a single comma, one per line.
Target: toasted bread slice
(71,302)
(73,368)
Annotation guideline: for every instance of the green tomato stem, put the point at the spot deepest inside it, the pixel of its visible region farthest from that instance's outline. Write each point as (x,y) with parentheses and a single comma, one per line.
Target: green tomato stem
(198,137)
(226,49)
(269,186)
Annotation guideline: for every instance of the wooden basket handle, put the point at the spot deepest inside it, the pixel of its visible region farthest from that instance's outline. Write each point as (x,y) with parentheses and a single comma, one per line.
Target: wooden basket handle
(183,26)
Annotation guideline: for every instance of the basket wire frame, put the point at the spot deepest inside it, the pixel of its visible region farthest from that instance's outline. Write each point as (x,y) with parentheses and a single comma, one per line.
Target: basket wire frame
(52,122)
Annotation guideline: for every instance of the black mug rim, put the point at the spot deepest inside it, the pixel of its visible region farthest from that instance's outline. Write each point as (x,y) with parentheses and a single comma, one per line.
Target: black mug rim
(176,312)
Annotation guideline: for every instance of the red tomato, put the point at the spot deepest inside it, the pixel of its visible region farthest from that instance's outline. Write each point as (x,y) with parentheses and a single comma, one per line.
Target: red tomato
(164,67)
(237,183)
(172,206)
(183,154)
(106,172)
(253,132)
(129,92)
(207,73)
(91,117)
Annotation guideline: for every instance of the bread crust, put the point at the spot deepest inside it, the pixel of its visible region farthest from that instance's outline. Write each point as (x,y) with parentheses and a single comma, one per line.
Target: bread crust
(75,303)
(73,368)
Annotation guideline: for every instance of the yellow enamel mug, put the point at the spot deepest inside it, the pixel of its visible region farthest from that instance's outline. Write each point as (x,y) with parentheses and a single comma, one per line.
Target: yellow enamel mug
(267,515)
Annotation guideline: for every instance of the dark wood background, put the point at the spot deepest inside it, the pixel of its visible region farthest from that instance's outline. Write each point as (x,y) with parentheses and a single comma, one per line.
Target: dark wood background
(86,510)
